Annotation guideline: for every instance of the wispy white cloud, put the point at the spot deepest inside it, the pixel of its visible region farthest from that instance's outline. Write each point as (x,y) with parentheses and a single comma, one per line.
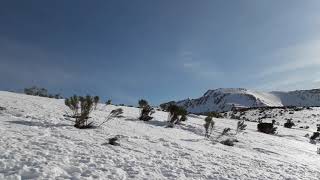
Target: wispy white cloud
(287,83)
(190,63)
(293,67)
(292,58)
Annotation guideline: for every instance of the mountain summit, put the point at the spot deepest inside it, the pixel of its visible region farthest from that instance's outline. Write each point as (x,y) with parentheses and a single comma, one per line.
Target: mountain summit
(224,99)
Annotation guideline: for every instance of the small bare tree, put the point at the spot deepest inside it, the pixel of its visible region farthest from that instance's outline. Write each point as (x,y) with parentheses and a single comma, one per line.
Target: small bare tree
(108,102)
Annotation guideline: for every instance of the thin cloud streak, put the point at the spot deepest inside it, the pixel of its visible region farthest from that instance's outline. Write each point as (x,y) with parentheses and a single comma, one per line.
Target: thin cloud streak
(197,67)
(304,55)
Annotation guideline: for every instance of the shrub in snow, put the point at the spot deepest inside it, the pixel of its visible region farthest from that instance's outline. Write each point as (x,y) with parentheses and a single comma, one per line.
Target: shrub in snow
(304,127)
(108,102)
(315,135)
(114,141)
(267,128)
(241,126)
(73,104)
(215,115)
(298,108)
(35,91)
(82,107)
(288,124)
(224,132)
(183,117)
(58,96)
(87,105)
(234,117)
(318,127)
(176,115)
(142,103)
(314,138)
(30,91)
(146,110)
(42,92)
(2,108)
(165,106)
(116,113)
(208,126)
(229,142)
(55,96)
(96,100)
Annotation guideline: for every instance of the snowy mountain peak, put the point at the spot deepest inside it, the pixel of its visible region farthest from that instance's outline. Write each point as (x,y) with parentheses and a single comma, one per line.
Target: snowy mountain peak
(224,99)
(225,90)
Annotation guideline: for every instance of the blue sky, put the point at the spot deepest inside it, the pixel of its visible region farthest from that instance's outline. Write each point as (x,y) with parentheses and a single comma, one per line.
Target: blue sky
(159,50)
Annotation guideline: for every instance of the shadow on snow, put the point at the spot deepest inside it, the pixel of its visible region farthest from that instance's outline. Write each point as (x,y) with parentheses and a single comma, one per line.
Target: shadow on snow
(38,124)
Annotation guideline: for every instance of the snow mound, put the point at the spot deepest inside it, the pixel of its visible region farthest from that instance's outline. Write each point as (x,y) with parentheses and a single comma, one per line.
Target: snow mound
(38,143)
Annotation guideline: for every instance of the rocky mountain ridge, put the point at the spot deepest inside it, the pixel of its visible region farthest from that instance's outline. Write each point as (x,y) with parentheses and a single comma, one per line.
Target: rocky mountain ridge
(225,99)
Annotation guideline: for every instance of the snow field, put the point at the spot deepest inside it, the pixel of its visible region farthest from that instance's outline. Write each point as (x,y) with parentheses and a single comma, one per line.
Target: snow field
(38,143)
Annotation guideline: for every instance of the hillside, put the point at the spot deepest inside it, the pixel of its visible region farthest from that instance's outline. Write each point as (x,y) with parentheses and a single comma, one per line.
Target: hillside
(225,99)
(302,117)
(38,143)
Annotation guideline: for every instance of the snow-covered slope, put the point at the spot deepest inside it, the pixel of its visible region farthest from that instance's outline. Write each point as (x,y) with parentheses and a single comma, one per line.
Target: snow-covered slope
(36,142)
(301,117)
(299,98)
(225,99)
